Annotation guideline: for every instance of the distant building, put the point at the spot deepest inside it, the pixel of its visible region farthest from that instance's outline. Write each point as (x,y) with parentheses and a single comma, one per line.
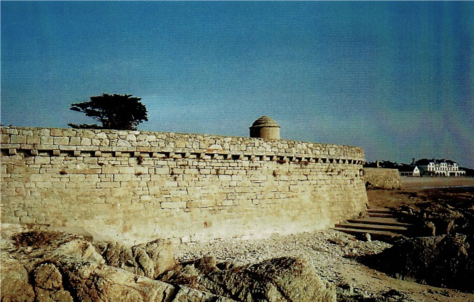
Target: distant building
(440,167)
(432,167)
(409,170)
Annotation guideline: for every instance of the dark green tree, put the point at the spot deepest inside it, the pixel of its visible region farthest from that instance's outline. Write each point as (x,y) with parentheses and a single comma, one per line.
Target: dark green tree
(116,111)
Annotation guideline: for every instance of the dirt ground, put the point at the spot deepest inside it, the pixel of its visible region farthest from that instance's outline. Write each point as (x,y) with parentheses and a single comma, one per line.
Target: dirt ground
(414,190)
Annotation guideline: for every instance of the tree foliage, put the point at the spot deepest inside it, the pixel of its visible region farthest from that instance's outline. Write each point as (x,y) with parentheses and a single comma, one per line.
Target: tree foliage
(384,164)
(117,111)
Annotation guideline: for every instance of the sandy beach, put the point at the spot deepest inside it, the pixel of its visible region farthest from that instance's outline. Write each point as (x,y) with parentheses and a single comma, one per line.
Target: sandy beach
(436,182)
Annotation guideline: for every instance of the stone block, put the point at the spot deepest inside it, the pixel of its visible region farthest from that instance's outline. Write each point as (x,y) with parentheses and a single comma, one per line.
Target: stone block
(108,184)
(42,160)
(56,132)
(75,141)
(171,184)
(145,198)
(162,170)
(61,140)
(90,160)
(225,177)
(123,177)
(46,140)
(33,140)
(110,170)
(18,139)
(177,171)
(118,192)
(173,205)
(27,219)
(191,171)
(88,133)
(227,203)
(20,213)
(127,170)
(123,143)
(141,170)
(44,184)
(131,138)
(9,130)
(5,139)
(44,132)
(101,135)
(86,141)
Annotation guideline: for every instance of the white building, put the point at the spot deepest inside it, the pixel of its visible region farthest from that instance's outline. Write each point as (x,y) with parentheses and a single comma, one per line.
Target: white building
(439,167)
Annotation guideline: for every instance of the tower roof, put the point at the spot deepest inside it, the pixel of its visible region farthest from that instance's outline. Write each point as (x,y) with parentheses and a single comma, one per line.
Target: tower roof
(265,121)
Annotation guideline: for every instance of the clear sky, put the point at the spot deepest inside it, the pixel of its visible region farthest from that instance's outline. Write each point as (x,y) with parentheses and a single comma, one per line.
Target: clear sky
(396,78)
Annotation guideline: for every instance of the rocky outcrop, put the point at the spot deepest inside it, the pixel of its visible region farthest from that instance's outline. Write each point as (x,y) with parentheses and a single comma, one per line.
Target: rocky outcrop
(445,261)
(281,279)
(52,266)
(148,259)
(445,211)
(43,265)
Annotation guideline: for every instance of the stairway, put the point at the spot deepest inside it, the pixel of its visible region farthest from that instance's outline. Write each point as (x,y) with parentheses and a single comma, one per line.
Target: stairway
(381,224)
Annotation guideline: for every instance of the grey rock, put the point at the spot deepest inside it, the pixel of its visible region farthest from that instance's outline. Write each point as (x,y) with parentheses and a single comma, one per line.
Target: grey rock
(149,259)
(280,279)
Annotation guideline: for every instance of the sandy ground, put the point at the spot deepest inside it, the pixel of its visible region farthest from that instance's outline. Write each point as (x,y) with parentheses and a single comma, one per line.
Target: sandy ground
(436,182)
(332,253)
(411,189)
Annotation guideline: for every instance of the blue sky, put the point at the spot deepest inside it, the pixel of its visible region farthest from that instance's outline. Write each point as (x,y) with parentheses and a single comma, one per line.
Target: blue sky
(396,78)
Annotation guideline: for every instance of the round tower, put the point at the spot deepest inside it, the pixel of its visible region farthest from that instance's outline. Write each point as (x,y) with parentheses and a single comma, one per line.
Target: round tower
(266,128)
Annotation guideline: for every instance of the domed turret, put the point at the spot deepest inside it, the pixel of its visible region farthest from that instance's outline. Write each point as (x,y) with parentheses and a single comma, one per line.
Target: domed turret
(266,128)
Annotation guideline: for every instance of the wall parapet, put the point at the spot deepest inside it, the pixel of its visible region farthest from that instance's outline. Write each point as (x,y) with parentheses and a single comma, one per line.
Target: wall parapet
(165,144)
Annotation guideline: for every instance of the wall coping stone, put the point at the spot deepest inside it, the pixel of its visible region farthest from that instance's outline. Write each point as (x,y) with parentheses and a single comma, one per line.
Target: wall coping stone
(164,143)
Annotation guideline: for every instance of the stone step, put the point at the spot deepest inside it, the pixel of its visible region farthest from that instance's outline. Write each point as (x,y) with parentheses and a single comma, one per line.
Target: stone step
(375,227)
(379,210)
(374,234)
(386,215)
(380,220)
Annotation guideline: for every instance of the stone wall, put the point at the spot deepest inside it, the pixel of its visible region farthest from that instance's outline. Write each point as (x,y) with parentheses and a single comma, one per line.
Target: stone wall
(381,178)
(137,186)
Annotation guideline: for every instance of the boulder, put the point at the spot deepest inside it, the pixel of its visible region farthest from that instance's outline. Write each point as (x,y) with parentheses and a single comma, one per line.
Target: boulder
(148,259)
(444,261)
(280,279)
(14,281)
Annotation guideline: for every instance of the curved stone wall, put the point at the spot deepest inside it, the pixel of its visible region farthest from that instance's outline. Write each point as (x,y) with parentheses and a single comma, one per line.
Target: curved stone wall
(381,178)
(135,186)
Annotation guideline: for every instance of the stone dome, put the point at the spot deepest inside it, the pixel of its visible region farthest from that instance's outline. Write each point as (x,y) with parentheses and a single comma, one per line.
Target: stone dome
(265,127)
(265,121)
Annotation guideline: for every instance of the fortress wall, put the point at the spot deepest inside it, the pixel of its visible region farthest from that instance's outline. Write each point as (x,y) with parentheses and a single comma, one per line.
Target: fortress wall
(382,178)
(136,186)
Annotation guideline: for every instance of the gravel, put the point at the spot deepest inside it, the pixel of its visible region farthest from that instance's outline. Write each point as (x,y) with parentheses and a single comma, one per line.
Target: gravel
(327,250)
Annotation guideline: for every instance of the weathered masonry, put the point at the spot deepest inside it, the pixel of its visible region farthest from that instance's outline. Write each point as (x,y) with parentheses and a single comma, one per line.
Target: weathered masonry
(136,186)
